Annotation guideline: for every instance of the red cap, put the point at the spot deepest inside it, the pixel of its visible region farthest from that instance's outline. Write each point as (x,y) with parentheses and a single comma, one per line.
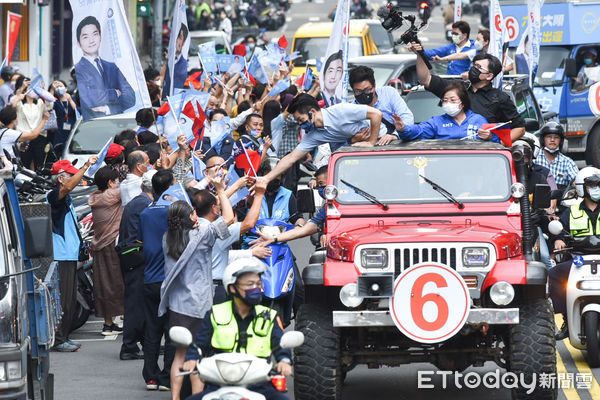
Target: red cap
(63,166)
(114,150)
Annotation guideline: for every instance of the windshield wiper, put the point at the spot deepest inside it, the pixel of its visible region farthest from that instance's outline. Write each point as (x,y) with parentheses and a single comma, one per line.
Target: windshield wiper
(366,195)
(443,192)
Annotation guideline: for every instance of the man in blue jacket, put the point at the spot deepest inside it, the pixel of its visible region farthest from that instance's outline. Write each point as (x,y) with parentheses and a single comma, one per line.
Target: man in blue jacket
(103,89)
(460,44)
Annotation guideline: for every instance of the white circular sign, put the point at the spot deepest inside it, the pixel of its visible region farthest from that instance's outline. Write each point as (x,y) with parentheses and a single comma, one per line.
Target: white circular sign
(511,25)
(594,98)
(431,302)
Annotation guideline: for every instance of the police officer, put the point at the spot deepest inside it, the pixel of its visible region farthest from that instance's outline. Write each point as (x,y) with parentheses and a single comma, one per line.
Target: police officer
(563,168)
(241,325)
(581,220)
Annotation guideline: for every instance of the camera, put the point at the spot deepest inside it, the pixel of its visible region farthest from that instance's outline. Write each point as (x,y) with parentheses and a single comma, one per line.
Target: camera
(392,17)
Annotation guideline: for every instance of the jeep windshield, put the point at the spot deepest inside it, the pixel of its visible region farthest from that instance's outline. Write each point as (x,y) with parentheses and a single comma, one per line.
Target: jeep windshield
(394,178)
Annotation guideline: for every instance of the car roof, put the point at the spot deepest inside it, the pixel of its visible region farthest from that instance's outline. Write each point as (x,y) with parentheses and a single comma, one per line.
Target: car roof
(384,59)
(207,33)
(323,29)
(129,115)
(428,144)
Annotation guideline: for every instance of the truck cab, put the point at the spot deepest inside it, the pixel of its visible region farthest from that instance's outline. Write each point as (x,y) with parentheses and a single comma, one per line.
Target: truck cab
(430,258)
(568,30)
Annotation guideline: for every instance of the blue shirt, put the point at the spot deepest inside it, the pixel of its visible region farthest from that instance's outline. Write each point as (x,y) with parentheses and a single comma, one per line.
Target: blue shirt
(319,217)
(130,221)
(341,122)
(220,250)
(445,127)
(389,102)
(64,231)
(455,67)
(153,225)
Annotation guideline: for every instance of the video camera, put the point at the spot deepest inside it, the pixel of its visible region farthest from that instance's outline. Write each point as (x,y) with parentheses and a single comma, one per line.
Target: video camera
(393,19)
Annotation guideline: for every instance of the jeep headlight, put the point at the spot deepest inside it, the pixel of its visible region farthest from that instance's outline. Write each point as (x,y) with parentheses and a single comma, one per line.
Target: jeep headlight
(374,258)
(476,256)
(502,293)
(233,372)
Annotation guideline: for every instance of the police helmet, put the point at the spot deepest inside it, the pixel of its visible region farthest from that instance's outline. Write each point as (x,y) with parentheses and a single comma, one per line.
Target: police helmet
(586,176)
(241,266)
(552,128)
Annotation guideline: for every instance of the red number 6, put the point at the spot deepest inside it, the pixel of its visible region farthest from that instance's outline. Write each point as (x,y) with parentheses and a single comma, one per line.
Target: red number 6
(417,302)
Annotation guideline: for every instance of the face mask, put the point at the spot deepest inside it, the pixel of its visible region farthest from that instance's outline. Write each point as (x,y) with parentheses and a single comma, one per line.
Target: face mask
(12,85)
(61,91)
(474,75)
(255,133)
(308,127)
(253,296)
(478,45)
(365,98)
(587,61)
(456,39)
(594,195)
(321,191)
(551,151)
(452,109)
(273,186)
(251,46)
(209,110)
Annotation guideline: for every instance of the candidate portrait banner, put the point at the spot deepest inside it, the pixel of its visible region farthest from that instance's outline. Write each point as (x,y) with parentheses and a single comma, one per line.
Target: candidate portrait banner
(109,75)
(535,31)
(496,36)
(334,73)
(179,46)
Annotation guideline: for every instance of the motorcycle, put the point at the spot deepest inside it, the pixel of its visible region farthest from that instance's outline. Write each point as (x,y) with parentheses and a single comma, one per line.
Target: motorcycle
(233,372)
(424,10)
(583,295)
(85,280)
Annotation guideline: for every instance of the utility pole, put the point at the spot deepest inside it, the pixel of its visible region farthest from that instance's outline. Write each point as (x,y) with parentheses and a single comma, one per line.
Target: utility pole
(157,34)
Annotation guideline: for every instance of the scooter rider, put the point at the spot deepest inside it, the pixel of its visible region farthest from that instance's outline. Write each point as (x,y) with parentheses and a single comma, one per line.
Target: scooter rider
(241,325)
(581,220)
(563,168)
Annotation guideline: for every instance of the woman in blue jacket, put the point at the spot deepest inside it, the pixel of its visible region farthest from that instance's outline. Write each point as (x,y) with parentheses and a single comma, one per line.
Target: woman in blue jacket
(457,122)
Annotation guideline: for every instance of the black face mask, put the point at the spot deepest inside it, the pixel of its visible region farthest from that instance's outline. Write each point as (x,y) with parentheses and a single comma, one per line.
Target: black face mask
(364,98)
(273,186)
(474,75)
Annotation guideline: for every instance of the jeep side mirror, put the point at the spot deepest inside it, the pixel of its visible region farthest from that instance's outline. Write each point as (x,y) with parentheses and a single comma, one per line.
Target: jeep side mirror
(531,124)
(38,237)
(570,68)
(306,201)
(541,196)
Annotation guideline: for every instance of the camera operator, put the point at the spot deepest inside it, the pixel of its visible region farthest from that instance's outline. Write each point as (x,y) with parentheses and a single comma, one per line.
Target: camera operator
(492,103)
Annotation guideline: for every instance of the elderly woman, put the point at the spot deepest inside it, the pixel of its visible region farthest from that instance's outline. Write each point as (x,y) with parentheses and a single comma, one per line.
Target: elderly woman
(109,289)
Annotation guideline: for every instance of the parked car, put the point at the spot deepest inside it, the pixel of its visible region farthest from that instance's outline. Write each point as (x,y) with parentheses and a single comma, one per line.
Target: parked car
(88,137)
(222,45)
(382,38)
(388,67)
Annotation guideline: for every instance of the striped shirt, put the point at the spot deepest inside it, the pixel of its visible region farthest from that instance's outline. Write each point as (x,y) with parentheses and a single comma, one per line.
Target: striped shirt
(562,168)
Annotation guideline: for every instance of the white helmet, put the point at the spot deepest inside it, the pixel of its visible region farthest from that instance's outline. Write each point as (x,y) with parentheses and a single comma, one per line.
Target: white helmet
(242,266)
(582,175)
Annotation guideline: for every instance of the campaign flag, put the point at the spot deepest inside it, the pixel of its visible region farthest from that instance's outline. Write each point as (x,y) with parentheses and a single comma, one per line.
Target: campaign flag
(255,68)
(271,59)
(172,194)
(219,130)
(282,42)
(234,64)
(292,57)
(4,63)
(300,80)
(208,57)
(179,45)
(198,166)
(319,63)
(496,36)
(101,156)
(308,79)
(500,129)
(457,10)
(279,87)
(13,24)
(36,86)
(248,160)
(110,78)
(334,73)
(529,47)
(197,97)
(231,178)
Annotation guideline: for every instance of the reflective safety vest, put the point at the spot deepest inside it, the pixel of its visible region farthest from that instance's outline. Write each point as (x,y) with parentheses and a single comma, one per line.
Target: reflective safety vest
(226,335)
(281,206)
(580,224)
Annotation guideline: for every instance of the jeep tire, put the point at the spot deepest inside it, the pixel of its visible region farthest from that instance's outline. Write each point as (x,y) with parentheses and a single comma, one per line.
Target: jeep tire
(318,368)
(531,348)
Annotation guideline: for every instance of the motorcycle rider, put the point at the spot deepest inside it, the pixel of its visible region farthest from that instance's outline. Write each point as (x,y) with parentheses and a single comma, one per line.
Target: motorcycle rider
(563,168)
(241,324)
(581,221)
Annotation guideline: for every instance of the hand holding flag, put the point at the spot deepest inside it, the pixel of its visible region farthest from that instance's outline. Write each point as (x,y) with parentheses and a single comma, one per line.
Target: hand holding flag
(501,130)
(101,156)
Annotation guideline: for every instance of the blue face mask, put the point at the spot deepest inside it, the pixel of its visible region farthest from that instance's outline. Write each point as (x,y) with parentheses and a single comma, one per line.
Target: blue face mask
(255,133)
(321,191)
(253,296)
(587,61)
(308,126)
(594,194)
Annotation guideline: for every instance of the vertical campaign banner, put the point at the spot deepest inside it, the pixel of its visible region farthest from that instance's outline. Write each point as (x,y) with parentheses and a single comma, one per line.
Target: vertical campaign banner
(534,8)
(13,24)
(109,75)
(496,39)
(179,46)
(334,73)
(457,10)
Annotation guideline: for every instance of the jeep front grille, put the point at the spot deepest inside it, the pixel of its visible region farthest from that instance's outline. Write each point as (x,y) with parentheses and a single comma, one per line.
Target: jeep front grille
(408,256)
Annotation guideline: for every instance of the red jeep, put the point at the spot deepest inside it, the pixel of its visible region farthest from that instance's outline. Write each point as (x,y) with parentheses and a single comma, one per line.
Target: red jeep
(431,258)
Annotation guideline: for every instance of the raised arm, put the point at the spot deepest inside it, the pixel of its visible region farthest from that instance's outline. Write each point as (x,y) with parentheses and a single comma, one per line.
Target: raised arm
(286,162)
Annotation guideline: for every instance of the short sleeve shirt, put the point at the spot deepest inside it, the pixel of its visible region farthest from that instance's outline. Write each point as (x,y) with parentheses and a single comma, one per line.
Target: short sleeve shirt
(65,237)
(8,137)
(221,248)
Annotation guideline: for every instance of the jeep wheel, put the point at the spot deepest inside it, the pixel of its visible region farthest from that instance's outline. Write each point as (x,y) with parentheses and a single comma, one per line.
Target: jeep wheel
(590,323)
(532,348)
(318,368)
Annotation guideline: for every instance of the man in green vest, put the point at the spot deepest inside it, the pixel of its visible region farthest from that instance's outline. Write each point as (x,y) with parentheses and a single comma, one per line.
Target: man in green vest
(581,221)
(241,325)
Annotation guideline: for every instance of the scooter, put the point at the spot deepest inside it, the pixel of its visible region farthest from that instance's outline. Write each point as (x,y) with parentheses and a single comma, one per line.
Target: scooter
(233,372)
(85,281)
(583,295)
(424,10)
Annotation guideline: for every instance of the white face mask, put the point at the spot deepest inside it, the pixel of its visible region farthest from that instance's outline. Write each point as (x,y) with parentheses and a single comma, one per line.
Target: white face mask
(551,151)
(478,45)
(456,39)
(452,109)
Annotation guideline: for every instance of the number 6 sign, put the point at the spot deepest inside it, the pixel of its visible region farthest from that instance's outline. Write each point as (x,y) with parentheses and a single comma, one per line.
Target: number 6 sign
(431,302)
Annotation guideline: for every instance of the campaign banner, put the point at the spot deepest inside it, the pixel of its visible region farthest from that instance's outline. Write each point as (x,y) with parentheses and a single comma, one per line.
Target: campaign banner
(208,57)
(179,46)
(172,194)
(233,64)
(334,73)
(457,10)
(534,8)
(13,24)
(101,156)
(279,87)
(496,36)
(109,75)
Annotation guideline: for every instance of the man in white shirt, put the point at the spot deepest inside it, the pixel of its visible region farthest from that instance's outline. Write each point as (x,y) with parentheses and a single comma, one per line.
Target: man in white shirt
(590,71)
(138,163)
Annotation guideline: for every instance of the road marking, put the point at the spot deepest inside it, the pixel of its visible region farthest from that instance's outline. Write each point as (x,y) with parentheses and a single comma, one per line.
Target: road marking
(314,19)
(110,338)
(570,393)
(319,1)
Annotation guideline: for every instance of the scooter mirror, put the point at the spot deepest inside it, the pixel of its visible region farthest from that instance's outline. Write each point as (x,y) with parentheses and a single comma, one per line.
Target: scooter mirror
(555,227)
(291,339)
(180,336)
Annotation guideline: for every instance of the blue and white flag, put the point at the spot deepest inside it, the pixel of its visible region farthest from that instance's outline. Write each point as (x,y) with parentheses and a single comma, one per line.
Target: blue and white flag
(179,45)
(101,156)
(172,194)
(219,130)
(198,166)
(534,10)
(231,178)
(292,57)
(496,37)
(334,73)
(255,69)
(36,86)
(233,64)
(308,78)
(208,57)
(279,87)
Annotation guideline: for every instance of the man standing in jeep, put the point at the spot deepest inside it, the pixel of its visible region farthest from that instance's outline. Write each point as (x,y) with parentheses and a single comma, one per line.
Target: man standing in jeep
(486,100)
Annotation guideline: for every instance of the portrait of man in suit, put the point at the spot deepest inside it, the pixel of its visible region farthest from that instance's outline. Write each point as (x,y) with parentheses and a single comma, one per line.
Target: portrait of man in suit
(103,89)
(332,76)
(180,70)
